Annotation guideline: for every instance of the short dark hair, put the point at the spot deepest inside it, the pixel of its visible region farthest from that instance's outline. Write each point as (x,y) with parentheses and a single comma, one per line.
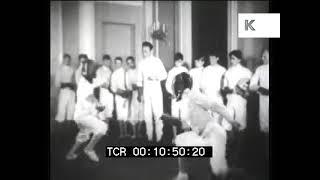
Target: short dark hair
(83,56)
(147,44)
(130,58)
(237,54)
(106,57)
(118,58)
(178,56)
(67,56)
(215,53)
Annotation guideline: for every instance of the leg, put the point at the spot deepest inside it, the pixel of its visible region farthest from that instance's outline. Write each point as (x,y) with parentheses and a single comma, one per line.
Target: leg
(98,128)
(62,105)
(148,117)
(71,105)
(157,109)
(82,136)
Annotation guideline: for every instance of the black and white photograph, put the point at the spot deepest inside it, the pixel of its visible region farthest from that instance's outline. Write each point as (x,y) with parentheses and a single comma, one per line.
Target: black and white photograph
(160,90)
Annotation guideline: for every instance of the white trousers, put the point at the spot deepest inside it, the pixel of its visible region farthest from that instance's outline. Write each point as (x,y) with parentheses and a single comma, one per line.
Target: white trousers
(217,138)
(66,105)
(135,109)
(90,125)
(237,105)
(176,108)
(106,99)
(122,108)
(264,113)
(153,107)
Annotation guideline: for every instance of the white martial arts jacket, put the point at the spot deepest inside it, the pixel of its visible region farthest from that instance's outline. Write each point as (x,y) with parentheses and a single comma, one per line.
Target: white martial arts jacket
(83,91)
(205,131)
(261,78)
(103,75)
(234,74)
(64,75)
(171,76)
(151,67)
(211,82)
(196,75)
(235,101)
(119,80)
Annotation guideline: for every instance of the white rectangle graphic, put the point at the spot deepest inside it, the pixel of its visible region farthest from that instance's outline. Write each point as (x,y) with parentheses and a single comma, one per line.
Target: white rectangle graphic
(259,25)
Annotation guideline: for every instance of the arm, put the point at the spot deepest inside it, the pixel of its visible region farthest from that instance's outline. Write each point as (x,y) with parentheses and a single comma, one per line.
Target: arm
(162,73)
(57,78)
(169,83)
(254,82)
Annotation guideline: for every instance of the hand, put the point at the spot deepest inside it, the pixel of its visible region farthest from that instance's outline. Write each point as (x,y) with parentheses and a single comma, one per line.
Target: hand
(152,78)
(134,87)
(100,107)
(104,85)
(263,91)
(235,124)
(139,98)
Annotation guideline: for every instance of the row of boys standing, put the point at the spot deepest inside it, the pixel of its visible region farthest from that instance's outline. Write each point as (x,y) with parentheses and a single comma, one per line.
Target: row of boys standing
(138,94)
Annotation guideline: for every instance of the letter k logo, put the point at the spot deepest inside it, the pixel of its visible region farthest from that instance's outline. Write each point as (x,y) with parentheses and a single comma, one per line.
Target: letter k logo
(249,25)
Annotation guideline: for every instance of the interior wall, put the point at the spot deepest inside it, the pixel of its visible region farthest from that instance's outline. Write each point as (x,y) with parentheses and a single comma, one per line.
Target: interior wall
(55,48)
(209,29)
(118,13)
(167,16)
(70,19)
(252,47)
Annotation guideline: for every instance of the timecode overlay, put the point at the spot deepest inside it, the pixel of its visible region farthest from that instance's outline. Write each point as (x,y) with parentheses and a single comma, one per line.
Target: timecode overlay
(158,151)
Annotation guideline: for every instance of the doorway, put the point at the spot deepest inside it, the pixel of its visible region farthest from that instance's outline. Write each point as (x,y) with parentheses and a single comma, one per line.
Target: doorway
(210,29)
(118,39)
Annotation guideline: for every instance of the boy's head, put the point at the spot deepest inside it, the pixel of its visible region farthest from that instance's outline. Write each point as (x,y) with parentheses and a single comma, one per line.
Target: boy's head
(235,57)
(118,62)
(265,56)
(182,81)
(178,59)
(131,62)
(213,57)
(89,69)
(199,62)
(82,57)
(146,49)
(66,59)
(106,60)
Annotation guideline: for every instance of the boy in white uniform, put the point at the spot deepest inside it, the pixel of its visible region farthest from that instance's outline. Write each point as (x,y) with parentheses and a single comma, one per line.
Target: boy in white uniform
(196,74)
(119,85)
(260,83)
(150,72)
(87,114)
(136,107)
(104,78)
(82,58)
(211,81)
(236,87)
(65,81)
(205,131)
(175,105)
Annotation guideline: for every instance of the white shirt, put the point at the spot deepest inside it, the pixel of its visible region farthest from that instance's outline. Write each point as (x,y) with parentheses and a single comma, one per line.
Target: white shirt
(196,75)
(64,75)
(104,75)
(234,74)
(132,77)
(261,77)
(211,80)
(118,80)
(83,106)
(150,67)
(171,76)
